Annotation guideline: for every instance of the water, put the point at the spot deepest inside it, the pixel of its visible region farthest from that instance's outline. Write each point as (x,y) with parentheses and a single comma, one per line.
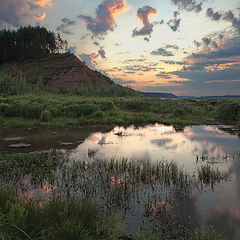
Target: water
(190,148)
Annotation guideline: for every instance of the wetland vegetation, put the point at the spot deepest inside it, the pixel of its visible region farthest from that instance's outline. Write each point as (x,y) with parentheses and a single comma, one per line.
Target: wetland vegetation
(93,199)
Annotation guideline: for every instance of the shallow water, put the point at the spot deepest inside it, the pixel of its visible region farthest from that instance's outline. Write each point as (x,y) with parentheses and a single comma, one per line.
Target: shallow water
(190,148)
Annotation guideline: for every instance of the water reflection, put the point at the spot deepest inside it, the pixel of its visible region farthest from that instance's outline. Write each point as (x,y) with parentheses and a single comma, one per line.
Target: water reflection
(190,148)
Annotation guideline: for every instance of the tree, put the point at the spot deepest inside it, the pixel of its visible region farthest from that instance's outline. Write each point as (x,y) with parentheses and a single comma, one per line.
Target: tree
(28,42)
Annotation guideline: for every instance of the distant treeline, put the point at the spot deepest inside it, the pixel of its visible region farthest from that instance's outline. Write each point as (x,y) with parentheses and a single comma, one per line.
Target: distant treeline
(28,42)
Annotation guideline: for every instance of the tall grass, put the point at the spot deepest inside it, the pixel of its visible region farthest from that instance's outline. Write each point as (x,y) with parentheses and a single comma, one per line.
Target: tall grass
(18,86)
(87,199)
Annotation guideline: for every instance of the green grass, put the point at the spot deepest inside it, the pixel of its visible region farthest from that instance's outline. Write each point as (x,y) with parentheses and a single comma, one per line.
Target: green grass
(209,175)
(62,110)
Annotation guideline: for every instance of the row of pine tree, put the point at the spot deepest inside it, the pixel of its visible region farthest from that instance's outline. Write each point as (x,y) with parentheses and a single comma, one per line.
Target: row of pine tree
(28,42)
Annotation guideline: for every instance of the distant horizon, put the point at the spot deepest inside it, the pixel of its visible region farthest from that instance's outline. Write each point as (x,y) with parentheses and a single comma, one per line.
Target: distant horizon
(183,47)
(193,95)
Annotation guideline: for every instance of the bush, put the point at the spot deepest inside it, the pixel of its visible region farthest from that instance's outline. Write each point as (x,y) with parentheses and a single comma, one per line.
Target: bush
(137,105)
(178,112)
(229,111)
(12,86)
(63,90)
(106,105)
(78,110)
(46,116)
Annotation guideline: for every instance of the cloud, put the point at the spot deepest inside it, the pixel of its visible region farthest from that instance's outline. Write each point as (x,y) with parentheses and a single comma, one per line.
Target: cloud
(206,41)
(188,5)
(227,16)
(143,15)
(173,62)
(122,82)
(102,53)
(196,43)
(40,17)
(225,75)
(174,23)
(91,59)
(19,12)
(105,16)
(72,50)
(215,16)
(65,24)
(164,75)
(162,52)
(220,53)
(43,3)
(139,68)
(173,46)
(201,66)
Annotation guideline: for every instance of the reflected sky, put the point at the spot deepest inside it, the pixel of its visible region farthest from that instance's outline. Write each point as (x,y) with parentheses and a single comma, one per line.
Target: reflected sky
(218,207)
(159,142)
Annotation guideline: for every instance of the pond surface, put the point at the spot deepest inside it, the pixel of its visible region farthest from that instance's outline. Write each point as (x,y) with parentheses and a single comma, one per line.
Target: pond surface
(190,148)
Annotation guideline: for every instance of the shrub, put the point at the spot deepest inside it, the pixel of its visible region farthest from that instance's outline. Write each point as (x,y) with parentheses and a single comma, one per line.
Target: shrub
(178,112)
(229,111)
(46,116)
(12,86)
(63,90)
(106,105)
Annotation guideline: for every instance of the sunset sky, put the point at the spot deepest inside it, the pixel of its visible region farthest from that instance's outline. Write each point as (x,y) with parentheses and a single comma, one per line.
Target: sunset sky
(186,47)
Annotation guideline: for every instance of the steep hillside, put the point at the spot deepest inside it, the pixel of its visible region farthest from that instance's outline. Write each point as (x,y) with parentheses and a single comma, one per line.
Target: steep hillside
(56,71)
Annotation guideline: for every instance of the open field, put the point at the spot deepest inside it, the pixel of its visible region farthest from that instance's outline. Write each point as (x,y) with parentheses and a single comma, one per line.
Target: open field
(62,110)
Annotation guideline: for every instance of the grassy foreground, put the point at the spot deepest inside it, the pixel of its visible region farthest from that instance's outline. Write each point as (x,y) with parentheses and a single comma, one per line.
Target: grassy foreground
(62,110)
(59,199)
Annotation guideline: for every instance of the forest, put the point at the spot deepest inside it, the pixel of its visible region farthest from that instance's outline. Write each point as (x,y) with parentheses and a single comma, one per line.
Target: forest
(28,42)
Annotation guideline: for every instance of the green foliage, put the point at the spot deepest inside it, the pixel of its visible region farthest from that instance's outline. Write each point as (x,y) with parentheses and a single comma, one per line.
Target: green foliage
(28,42)
(46,116)
(63,90)
(229,111)
(209,175)
(178,112)
(12,86)
(58,219)
(208,234)
(138,105)
(106,106)
(21,110)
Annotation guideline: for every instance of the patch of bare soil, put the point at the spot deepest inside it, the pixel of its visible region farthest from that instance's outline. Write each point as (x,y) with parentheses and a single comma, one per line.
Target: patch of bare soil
(74,76)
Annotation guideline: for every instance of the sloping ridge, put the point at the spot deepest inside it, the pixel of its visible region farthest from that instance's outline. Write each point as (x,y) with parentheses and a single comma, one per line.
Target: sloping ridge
(58,70)
(74,73)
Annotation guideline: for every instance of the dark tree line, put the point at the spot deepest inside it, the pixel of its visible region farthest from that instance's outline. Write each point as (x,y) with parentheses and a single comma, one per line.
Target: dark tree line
(28,42)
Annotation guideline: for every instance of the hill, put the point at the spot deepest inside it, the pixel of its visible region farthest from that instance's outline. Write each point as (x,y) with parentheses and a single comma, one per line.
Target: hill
(159,95)
(62,72)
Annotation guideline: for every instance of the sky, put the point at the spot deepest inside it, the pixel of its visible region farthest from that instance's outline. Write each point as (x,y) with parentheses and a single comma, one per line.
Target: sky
(185,47)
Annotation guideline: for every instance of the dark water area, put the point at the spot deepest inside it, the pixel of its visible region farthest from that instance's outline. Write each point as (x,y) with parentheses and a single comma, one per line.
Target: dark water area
(190,148)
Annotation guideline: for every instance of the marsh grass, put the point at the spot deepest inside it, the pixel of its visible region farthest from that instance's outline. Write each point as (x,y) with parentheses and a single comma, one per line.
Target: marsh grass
(208,175)
(87,199)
